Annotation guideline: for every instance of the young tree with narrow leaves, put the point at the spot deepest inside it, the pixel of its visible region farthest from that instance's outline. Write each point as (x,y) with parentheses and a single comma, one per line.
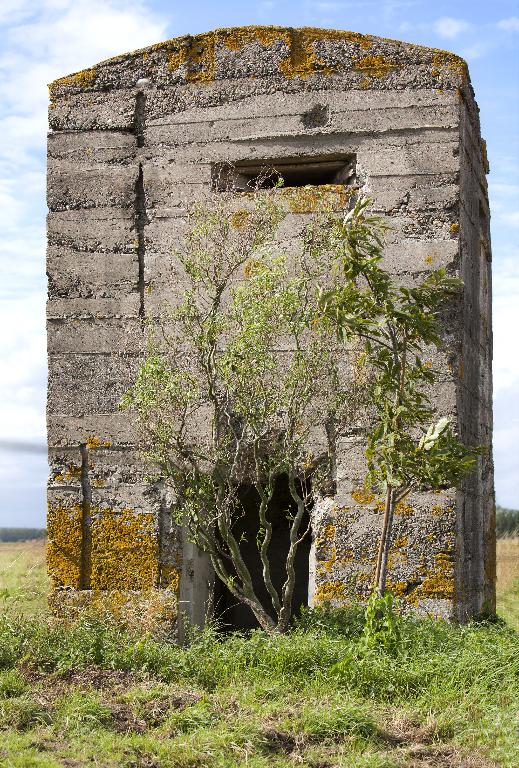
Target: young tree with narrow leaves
(409,448)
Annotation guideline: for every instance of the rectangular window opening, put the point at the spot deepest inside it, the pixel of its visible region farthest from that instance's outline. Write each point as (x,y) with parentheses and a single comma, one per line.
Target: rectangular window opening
(267,174)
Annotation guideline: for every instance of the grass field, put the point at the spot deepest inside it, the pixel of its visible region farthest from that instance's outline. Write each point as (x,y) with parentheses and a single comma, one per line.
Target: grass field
(91,695)
(23,578)
(508,581)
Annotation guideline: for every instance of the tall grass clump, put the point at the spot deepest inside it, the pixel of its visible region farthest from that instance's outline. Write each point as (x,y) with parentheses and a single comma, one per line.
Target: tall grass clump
(434,658)
(324,683)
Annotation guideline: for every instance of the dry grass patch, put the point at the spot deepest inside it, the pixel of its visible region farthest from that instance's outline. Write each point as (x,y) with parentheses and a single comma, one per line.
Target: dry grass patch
(24,584)
(508,580)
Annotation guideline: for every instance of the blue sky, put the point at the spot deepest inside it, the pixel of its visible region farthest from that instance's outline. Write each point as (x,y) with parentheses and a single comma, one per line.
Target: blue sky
(44,39)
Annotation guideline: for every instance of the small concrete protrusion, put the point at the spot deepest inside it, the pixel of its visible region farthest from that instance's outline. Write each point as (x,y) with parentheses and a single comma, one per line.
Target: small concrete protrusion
(142,82)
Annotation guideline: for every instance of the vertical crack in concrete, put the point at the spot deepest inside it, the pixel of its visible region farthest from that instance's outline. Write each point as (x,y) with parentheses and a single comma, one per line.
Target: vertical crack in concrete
(141,221)
(139,118)
(86,519)
(141,218)
(331,434)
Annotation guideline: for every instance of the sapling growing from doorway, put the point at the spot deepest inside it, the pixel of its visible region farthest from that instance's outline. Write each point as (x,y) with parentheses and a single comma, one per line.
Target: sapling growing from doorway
(238,378)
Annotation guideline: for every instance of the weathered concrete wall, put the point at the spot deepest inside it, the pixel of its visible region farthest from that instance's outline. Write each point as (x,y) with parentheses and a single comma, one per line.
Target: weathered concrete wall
(133,142)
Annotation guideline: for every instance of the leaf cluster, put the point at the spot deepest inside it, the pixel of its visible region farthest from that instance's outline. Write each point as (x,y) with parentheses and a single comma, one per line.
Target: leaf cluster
(398,325)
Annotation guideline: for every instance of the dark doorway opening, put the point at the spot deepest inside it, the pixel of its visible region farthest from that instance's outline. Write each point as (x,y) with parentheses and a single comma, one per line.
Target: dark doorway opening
(229,611)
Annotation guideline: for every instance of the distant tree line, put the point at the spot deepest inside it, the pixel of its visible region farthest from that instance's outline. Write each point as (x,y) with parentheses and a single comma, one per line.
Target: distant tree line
(21,534)
(507,522)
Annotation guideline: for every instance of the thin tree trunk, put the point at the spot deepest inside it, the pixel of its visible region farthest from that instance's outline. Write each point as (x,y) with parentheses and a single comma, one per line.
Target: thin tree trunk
(208,543)
(263,550)
(288,586)
(265,498)
(386,542)
(388,511)
(264,620)
(246,593)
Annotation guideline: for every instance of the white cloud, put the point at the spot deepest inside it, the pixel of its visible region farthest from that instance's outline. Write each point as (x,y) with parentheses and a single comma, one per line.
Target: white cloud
(450,28)
(511,24)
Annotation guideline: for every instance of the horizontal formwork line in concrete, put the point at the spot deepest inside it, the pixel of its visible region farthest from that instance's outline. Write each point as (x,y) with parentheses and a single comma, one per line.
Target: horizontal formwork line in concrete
(123,216)
(113,110)
(182,119)
(119,133)
(181,135)
(280,103)
(123,305)
(418,136)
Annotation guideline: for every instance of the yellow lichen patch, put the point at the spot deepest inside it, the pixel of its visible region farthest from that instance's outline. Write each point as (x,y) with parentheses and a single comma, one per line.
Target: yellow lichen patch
(451,62)
(323,197)
(98,482)
(83,79)
(402,541)
(64,544)
(429,259)
(439,582)
(454,228)
(170,577)
(124,550)
(73,473)
(93,442)
(328,531)
(348,557)
(438,510)
(362,496)
(330,590)
(240,219)
(303,60)
(239,38)
(325,566)
(403,509)
(373,67)
(197,54)
(398,588)
(364,41)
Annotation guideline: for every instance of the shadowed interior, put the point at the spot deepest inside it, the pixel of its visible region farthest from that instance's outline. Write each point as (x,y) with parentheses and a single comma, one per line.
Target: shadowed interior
(234,615)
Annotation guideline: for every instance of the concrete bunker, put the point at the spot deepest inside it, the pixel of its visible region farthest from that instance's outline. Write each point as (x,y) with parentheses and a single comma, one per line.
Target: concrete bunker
(133,142)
